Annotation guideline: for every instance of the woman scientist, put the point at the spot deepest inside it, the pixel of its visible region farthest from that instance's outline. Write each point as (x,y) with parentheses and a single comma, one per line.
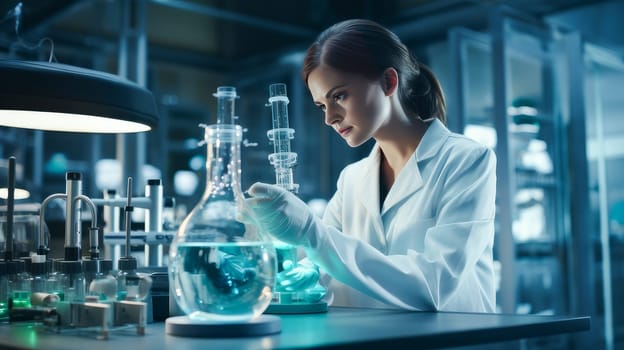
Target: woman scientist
(412,225)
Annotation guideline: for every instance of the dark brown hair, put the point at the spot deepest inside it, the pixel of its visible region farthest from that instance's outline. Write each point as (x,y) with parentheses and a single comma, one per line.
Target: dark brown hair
(365,47)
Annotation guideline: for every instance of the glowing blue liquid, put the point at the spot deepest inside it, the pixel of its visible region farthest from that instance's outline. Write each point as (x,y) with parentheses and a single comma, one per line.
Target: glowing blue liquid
(226,282)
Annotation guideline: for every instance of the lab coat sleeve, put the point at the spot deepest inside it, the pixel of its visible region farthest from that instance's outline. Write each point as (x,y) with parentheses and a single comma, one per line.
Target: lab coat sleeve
(453,246)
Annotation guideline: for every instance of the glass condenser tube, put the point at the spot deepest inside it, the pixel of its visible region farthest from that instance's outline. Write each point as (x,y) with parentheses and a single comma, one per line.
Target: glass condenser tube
(282,159)
(226,96)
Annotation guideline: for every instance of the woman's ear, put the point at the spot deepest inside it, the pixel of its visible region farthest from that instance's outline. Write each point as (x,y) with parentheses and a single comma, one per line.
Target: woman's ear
(390,81)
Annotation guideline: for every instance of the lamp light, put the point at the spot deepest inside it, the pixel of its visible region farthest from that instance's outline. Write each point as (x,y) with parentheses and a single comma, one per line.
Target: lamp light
(58,97)
(19,193)
(18,171)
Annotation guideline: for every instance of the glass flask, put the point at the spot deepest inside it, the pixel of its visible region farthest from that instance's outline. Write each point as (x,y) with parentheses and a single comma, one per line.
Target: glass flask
(222,269)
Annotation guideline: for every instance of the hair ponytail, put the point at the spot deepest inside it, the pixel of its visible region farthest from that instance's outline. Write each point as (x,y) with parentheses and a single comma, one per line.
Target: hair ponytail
(423,94)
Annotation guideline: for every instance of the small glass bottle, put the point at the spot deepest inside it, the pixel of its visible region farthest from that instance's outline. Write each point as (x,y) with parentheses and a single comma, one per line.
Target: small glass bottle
(4,291)
(99,281)
(54,282)
(132,285)
(14,286)
(222,269)
(19,283)
(71,281)
(39,269)
(168,215)
(40,295)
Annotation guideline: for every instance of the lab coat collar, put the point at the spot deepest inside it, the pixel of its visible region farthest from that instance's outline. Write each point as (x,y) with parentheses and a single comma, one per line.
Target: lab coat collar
(369,182)
(432,141)
(410,179)
(367,192)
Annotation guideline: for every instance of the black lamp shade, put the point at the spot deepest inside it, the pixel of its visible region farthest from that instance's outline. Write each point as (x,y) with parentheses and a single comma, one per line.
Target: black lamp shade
(60,97)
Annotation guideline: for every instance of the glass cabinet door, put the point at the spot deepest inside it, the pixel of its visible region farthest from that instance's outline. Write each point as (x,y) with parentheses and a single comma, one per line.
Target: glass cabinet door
(507,100)
(527,104)
(604,106)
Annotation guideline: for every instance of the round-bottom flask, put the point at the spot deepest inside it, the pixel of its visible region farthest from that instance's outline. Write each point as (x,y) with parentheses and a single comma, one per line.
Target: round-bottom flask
(221,269)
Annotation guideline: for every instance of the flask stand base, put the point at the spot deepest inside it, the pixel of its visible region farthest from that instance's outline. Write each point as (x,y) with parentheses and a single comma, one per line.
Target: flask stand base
(183,326)
(296,308)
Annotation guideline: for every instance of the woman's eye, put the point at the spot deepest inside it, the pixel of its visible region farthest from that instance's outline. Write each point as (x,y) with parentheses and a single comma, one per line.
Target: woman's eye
(339,97)
(322,107)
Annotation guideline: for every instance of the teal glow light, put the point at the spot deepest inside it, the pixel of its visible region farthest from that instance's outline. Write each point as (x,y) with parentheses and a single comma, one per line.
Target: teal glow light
(4,310)
(21,299)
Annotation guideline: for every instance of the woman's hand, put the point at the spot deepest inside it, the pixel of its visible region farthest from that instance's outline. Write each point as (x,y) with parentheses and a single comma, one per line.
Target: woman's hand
(282,214)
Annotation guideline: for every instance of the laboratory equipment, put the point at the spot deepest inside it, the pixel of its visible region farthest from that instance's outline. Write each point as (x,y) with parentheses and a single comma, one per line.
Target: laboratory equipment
(297,289)
(25,229)
(98,279)
(131,285)
(39,270)
(222,270)
(71,280)
(153,238)
(68,282)
(58,299)
(14,281)
(69,270)
(126,293)
(65,304)
(19,286)
(43,299)
(282,158)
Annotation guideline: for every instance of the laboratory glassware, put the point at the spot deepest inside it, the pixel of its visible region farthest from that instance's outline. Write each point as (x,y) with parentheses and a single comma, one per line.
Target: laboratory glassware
(99,281)
(131,285)
(14,280)
(221,268)
(297,289)
(39,269)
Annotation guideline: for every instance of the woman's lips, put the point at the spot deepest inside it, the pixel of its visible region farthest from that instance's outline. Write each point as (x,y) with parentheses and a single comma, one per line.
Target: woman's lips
(344,131)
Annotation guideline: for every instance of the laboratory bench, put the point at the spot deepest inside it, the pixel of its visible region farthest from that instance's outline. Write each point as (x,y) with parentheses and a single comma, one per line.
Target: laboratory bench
(339,328)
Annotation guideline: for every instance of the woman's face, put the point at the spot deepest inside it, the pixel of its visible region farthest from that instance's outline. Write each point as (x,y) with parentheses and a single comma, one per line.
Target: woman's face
(355,106)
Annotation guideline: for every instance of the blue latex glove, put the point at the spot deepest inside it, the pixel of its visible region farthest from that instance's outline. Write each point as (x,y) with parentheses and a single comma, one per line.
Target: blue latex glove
(297,277)
(282,214)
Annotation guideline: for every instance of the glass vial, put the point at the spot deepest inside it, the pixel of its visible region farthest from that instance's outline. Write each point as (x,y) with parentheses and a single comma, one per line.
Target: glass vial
(99,281)
(39,269)
(4,291)
(132,285)
(70,281)
(19,283)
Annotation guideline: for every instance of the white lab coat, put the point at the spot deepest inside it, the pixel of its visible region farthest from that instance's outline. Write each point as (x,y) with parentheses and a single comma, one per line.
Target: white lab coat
(430,246)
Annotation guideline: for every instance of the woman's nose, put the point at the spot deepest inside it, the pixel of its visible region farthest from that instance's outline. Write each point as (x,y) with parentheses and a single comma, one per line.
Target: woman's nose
(331,116)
